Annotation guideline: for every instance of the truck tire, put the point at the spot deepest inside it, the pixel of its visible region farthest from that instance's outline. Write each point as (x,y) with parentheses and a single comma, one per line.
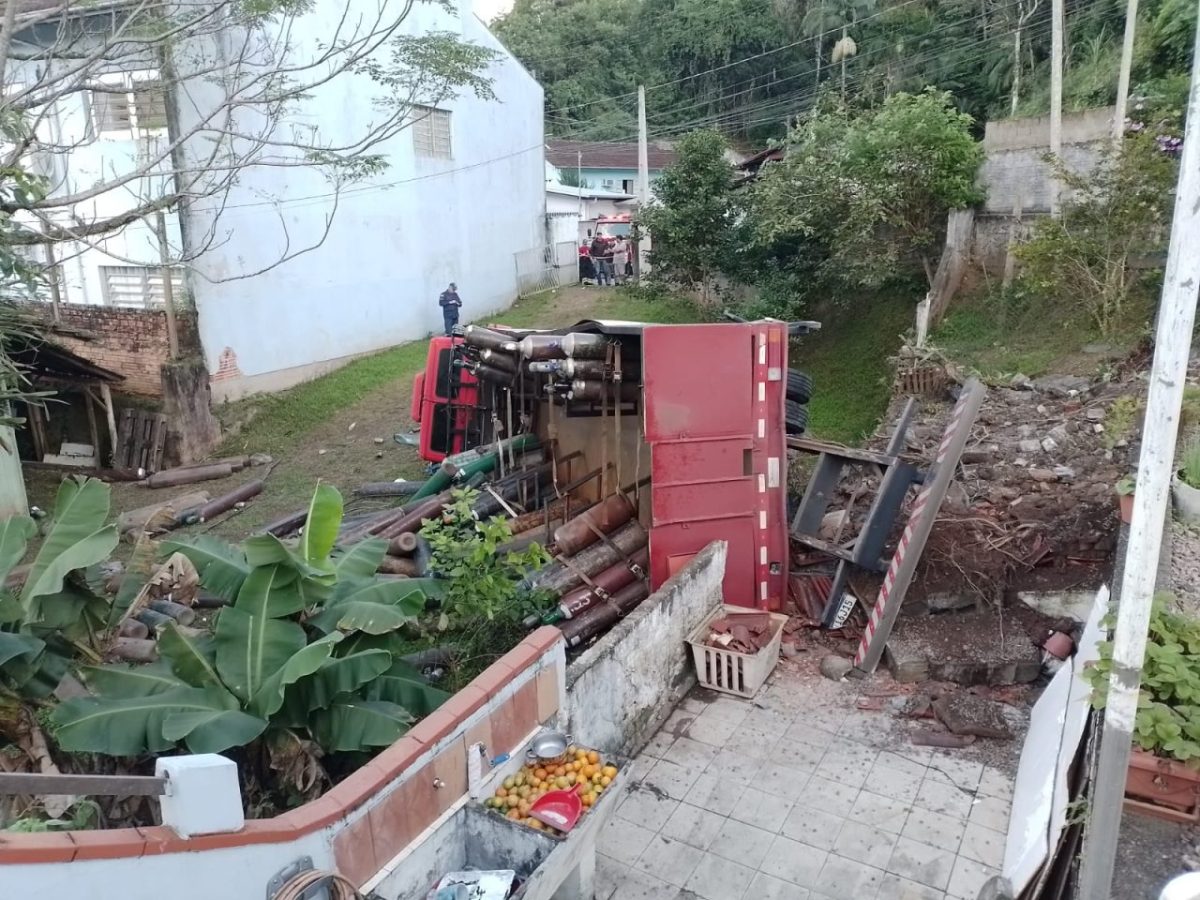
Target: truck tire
(795,417)
(799,386)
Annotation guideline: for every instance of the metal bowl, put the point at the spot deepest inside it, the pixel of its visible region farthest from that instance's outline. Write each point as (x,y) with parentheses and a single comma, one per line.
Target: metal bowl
(548,745)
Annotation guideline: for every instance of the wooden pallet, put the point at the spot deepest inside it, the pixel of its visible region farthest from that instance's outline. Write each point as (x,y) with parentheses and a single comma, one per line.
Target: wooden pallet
(141,437)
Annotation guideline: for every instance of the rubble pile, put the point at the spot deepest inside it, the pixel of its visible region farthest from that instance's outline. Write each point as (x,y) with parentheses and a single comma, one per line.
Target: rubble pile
(1035,489)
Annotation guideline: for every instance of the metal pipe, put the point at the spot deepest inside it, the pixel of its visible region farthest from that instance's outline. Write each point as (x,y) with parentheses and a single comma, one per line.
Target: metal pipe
(558,579)
(604,615)
(607,516)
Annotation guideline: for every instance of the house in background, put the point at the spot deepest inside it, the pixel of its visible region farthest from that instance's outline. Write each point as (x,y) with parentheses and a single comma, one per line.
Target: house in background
(607,166)
(571,212)
(463,193)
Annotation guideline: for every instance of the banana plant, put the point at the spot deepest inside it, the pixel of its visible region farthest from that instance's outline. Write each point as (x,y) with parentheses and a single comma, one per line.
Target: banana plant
(305,645)
(56,615)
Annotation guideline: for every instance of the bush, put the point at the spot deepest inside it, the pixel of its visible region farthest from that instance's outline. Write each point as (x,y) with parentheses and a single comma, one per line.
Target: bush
(1119,211)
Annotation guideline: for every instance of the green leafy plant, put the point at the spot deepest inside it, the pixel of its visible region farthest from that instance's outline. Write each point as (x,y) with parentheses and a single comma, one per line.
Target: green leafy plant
(1121,419)
(1117,212)
(483,584)
(81,815)
(1189,464)
(1168,717)
(56,615)
(304,653)
(1126,486)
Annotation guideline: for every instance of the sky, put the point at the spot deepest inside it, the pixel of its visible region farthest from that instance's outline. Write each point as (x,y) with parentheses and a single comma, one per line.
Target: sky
(489,9)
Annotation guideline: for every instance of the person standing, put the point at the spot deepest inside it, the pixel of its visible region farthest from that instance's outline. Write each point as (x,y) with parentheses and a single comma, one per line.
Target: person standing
(450,303)
(620,259)
(597,253)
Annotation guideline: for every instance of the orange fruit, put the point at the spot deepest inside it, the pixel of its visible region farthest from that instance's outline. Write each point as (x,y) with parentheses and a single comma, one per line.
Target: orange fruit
(560,770)
(539,773)
(606,780)
(561,783)
(513,814)
(572,778)
(593,757)
(535,824)
(610,771)
(501,792)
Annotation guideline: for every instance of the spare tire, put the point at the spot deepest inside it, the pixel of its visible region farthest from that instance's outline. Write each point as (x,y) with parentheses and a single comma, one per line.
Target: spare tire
(795,417)
(799,386)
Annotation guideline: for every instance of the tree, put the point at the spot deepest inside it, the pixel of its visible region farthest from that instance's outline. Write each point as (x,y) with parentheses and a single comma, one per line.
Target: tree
(1118,211)
(693,219)
(865,191)
(209,91)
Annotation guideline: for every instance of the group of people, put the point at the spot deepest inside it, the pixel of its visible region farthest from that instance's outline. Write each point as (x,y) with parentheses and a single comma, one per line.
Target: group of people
(605,260)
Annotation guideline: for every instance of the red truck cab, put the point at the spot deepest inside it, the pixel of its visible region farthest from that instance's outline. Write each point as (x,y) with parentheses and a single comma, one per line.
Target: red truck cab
(445,401)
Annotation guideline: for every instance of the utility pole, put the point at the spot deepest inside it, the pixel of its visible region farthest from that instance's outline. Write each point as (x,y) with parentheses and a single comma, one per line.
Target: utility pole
(1176,316)
(1118,132)
(643,178)
(1056,85)
(164,256)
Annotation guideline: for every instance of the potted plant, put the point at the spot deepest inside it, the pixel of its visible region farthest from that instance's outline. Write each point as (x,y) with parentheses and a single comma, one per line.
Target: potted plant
(1124,490)
(1185,486)
(1164,770)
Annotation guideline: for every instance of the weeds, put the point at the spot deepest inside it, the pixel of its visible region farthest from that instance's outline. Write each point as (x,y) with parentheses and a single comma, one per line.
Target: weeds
(1121,419)
(1189,464)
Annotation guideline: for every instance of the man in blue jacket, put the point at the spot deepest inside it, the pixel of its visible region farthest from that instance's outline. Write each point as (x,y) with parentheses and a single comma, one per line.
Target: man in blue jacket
(450,303)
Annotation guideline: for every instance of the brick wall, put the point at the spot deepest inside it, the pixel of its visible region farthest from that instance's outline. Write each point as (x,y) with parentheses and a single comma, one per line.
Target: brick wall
(132,342)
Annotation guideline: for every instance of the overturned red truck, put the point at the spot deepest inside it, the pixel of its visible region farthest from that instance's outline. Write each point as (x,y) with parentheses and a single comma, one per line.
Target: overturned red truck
(665,437)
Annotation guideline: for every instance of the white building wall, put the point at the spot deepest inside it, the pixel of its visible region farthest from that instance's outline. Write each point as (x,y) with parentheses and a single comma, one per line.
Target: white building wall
(94,157)
(395,241)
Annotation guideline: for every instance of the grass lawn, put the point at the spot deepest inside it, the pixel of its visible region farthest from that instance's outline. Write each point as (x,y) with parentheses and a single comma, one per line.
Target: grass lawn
(848,359)
(999,338)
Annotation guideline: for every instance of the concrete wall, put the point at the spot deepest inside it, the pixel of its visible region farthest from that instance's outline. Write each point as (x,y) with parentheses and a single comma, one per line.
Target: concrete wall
(131,342)
(397,238)
(364,827)
(1013,167)
(621,689)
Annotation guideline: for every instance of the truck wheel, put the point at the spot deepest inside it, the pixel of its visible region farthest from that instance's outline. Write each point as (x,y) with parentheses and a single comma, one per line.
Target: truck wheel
(799,386)
(795,417)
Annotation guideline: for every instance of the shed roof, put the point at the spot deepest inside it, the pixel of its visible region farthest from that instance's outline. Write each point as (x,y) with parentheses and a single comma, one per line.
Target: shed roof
(605,155)
(55,362)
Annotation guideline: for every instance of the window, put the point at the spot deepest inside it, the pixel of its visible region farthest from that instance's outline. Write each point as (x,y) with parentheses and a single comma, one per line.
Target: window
(431,132)
(139,286)
(608,184)
(140,108)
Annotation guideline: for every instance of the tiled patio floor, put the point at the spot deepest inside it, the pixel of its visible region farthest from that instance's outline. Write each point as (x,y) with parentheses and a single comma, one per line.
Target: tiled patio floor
(797,794)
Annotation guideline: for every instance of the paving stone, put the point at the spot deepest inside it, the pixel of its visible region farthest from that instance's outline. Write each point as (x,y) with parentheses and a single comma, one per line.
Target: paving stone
(768,887)
(962,773)
(897,763)
(762,810)
(687,752)
(934,829)
(887,782)
(609,875)
(730,709)
(658,746)
(742,843)
(884,813)
(646,808)
(637,885)
(719,879)
(983,845)
(735,766)
(793,861)
(853,774)
(994,783)
(623,840)
(896,888)
(715,793)
(970,714)
(967,879)
(831,796)
(944,798)
(668,860)
(865,844)
(715,731)
(671,779)
(848,879)
(991,812)
(694,826)
(814,827)
(767,721)
(921,863)
(796,755)
(805,732)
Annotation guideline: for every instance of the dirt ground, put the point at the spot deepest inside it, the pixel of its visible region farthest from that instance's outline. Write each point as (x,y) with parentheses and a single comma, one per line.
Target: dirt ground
(1150,853)
(348,449)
